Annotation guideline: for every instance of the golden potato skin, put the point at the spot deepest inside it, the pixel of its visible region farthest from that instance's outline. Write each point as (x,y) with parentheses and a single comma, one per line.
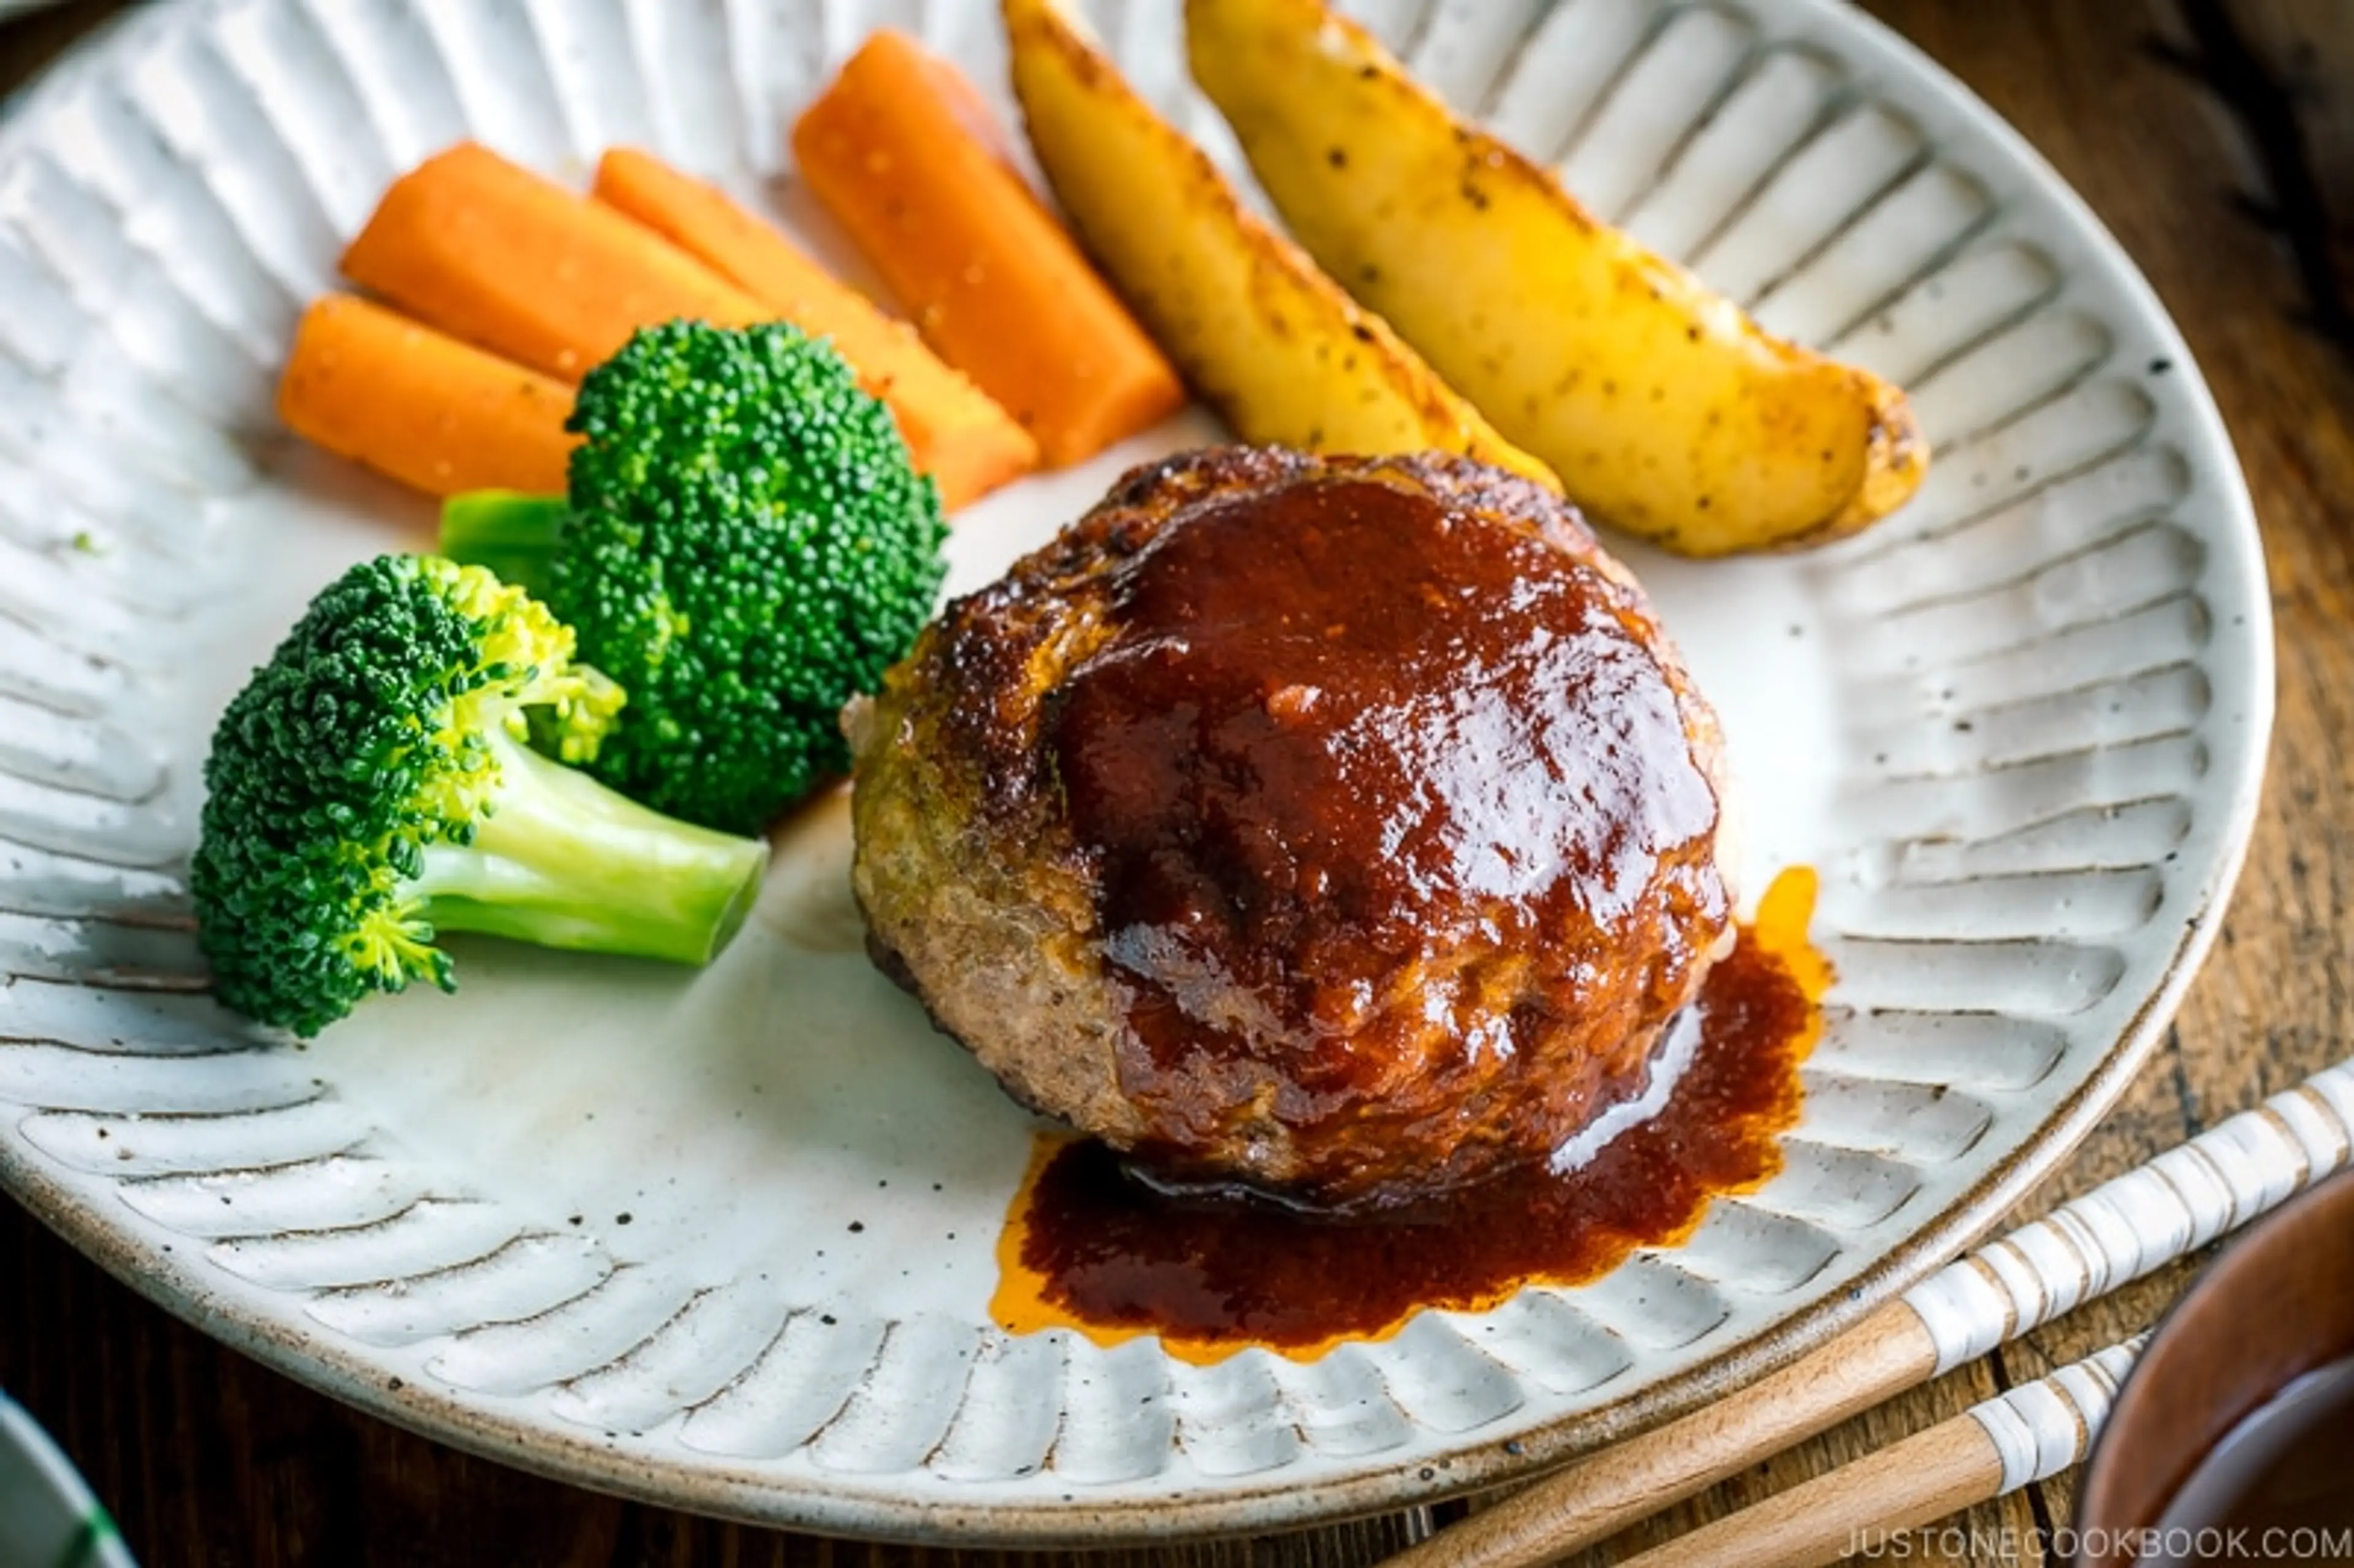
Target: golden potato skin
(1283,353)
(1665,410)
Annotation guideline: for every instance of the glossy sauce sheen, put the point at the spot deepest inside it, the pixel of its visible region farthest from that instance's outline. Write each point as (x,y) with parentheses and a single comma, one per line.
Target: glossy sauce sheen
(1088,1246)
(1342,736)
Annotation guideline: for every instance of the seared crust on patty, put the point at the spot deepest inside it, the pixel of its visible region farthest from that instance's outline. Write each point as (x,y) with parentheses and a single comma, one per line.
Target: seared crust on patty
(1371,1028)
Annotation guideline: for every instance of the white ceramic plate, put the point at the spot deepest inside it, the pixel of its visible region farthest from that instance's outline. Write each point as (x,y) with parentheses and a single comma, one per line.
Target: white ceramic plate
(597,1220)
(48,1517)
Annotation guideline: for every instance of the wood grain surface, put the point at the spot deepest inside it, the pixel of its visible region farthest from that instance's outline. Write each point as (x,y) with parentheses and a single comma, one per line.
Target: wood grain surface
(2216,139)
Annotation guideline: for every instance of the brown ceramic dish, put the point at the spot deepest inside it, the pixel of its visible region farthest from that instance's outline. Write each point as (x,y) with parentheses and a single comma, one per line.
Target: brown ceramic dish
(2276,1309)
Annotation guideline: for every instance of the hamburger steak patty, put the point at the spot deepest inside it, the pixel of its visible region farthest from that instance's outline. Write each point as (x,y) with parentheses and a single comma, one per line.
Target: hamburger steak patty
(1343,827)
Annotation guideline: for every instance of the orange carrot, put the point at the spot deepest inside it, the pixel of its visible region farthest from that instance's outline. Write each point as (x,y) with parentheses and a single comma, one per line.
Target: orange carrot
(490,252)
(900,149)
(966,443)
(427,409)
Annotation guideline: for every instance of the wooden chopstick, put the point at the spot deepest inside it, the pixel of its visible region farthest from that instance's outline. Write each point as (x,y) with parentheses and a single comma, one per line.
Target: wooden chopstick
(2120,1231)
(1993,1448)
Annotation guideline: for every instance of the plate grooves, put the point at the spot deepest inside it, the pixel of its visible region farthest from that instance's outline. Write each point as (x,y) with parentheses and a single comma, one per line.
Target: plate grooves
(2123,805)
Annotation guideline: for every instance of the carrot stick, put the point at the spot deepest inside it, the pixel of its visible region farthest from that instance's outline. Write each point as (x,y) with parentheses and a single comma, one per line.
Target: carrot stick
(430,411)
(956,434)
(490,252)
(900,150)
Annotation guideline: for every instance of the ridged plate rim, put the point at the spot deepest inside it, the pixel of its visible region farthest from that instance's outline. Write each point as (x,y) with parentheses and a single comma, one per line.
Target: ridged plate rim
(2231,789)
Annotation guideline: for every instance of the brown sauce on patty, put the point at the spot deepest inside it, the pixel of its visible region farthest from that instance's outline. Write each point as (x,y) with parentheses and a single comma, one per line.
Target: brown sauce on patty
(1089,1247)
(1396,827)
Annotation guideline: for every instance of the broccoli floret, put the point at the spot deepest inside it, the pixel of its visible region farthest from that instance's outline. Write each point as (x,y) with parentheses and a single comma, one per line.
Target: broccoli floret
(374,785)
(745,547)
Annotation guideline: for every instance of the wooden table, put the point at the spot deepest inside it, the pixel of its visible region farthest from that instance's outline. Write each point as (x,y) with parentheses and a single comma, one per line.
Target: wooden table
(2214,139)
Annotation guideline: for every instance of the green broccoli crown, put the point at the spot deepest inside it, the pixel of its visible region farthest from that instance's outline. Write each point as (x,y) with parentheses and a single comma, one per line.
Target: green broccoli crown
(371,784)
(747,546)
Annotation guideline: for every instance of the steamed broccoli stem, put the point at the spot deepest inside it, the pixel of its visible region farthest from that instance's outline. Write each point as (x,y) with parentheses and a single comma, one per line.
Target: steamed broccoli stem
(511,534)
(566,862)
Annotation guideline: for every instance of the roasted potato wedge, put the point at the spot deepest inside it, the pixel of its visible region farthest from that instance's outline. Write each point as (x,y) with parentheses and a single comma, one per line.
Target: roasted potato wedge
(1665,410)
(1282,352)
